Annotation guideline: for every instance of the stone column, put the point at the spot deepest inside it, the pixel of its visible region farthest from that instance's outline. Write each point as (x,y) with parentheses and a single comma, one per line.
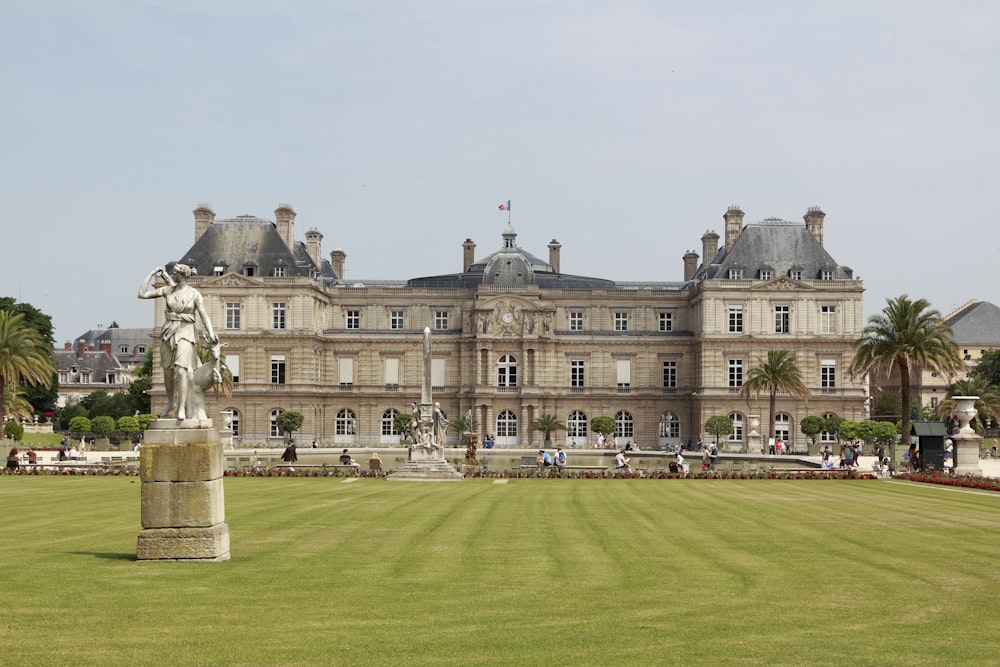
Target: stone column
(183,508)
(967,442)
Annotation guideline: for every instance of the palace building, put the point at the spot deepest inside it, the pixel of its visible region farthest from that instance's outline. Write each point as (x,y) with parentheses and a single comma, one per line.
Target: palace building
(514,338)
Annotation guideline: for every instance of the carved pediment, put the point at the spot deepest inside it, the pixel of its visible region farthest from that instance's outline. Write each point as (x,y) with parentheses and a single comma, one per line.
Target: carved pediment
(782,283)
(232,280)
(507,317)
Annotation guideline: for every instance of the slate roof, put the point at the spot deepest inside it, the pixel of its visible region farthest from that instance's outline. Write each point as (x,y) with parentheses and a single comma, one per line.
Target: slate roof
(777,245)
(976,323)
(117,338)
(233,243)
(96,361)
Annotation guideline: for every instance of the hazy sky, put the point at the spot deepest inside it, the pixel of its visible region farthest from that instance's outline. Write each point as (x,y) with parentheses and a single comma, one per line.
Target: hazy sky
(623,129)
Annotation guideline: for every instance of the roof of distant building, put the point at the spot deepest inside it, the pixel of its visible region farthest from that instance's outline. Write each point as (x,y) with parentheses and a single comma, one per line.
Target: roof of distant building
(976,323)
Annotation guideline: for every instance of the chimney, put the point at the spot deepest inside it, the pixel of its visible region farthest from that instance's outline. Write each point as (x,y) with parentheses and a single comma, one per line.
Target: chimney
(468,254)
(337,257)
(814,222)
(68,346)
(554,254)
(734,225)
(691,263)
(105,347)
(81,347)
(284,216)
(313,247)
(204,216)
(709,246)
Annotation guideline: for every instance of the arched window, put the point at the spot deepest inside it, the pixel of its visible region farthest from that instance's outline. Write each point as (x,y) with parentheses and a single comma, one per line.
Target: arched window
(624,425)
(782,426)
(275,433)
(345,422)
(234,424)
(507,371)
(670,425)
(576,425)
(506,424)
(737,434)
(389,422)
(825,436)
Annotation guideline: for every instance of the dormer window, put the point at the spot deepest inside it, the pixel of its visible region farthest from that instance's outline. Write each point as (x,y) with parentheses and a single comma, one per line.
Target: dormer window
(250,270)
(218,270)
(278,272)
(795,274)
(826,274)
(766,274)
(736,274)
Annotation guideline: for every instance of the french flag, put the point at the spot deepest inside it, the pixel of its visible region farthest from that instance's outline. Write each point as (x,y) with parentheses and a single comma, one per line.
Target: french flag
(505,206)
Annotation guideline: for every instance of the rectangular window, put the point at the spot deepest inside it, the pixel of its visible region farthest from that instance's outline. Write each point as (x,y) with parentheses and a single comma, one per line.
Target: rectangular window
(736,274)
(623,371)
(279,272)
(346,371)
(781,314)
(828,319)
(826,274)
(392,372)
(441,320)
(766,274)
(233,312)
(233,364)
(735,319)
(621,321)
(576,321)
(735,373)
(396,319)
(218,270)
(278,315)
(670,374)
(437,372)
(577,373)
(353,319)
(277,369)
(828,375)
(795,274)
(666,321)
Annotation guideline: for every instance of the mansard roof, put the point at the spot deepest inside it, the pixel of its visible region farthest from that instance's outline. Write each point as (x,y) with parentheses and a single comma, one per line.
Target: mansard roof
(234,243)
(976,323)
(777,245)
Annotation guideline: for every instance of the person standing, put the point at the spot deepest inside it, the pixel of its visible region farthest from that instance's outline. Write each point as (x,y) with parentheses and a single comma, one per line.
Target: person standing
(289,455)
(560,460)
(713,456)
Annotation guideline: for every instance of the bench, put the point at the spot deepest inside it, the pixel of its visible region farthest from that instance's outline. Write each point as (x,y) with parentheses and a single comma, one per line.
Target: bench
(528,462)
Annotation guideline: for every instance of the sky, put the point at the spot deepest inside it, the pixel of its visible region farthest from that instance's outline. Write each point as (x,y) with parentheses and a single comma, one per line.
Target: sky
(623,129)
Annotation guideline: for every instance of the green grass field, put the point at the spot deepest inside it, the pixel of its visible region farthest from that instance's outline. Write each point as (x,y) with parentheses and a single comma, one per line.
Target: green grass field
(532,572)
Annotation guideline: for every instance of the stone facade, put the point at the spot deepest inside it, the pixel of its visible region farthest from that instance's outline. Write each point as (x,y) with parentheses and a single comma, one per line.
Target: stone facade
(514,338)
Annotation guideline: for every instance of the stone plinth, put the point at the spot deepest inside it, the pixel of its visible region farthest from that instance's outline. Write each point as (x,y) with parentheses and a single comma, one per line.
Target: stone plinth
(183,505)
(966,455)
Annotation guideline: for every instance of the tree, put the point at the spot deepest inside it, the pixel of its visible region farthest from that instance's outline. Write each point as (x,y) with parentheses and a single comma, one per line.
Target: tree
(812,426)
(603,425)
(289,422)
(776,373)
(988,404)
(12,430)
(988,367)
(401,422)
(548,424)
(79,425)
(886,432)
(102,425)
(719,425)
(17,403)
(41,396)
(128,424)
(25,356)
(832,425)
(144,420)
(905,337)
(461,425)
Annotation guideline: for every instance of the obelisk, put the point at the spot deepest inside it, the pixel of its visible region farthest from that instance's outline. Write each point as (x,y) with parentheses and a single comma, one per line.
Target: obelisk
(425,461)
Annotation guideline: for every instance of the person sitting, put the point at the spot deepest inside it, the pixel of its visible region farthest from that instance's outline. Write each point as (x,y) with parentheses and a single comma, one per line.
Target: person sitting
(32,456)
(622,463)
(12,461)
(73,454)
(544,459)
(560,459)
(346,460)
(374,462)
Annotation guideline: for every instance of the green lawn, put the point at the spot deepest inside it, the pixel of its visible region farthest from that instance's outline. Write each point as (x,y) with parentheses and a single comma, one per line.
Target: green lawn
(532,572)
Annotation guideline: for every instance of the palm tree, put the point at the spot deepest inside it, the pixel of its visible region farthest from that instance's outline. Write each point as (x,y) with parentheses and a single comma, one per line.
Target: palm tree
(548,424)
(25,358)
(776,373)
(906,336)
(16,403)
(988,405)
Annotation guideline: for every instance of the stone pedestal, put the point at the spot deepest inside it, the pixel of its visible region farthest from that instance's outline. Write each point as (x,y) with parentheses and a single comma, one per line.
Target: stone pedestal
(967,442)
(183,507)
(425,464)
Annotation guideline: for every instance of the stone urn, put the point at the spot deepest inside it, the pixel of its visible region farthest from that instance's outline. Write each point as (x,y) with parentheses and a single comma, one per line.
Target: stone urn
(965,410)
(967,442)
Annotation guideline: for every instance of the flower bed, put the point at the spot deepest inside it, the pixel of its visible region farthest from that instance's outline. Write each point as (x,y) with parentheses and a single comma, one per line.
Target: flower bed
(966,481)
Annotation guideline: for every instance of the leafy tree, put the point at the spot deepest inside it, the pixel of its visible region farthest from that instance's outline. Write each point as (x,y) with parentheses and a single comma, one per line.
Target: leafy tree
(849,429)
(606,426)
(25,356)
(988,367)
(401,422)
(812,426)
(144,419)
(289,422)
(886,405)
(885,432)
(128,424)
(832,425)
(461,425)
(905,337)
(79,425)
(719,425)
(866,430)
(41,396)
(988,404)
(548,424)
(102,425)
(138,394)
(776,373)
(12,430)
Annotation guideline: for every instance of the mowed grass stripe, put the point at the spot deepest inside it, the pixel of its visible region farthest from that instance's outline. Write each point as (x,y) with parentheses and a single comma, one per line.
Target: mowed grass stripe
(531,572)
